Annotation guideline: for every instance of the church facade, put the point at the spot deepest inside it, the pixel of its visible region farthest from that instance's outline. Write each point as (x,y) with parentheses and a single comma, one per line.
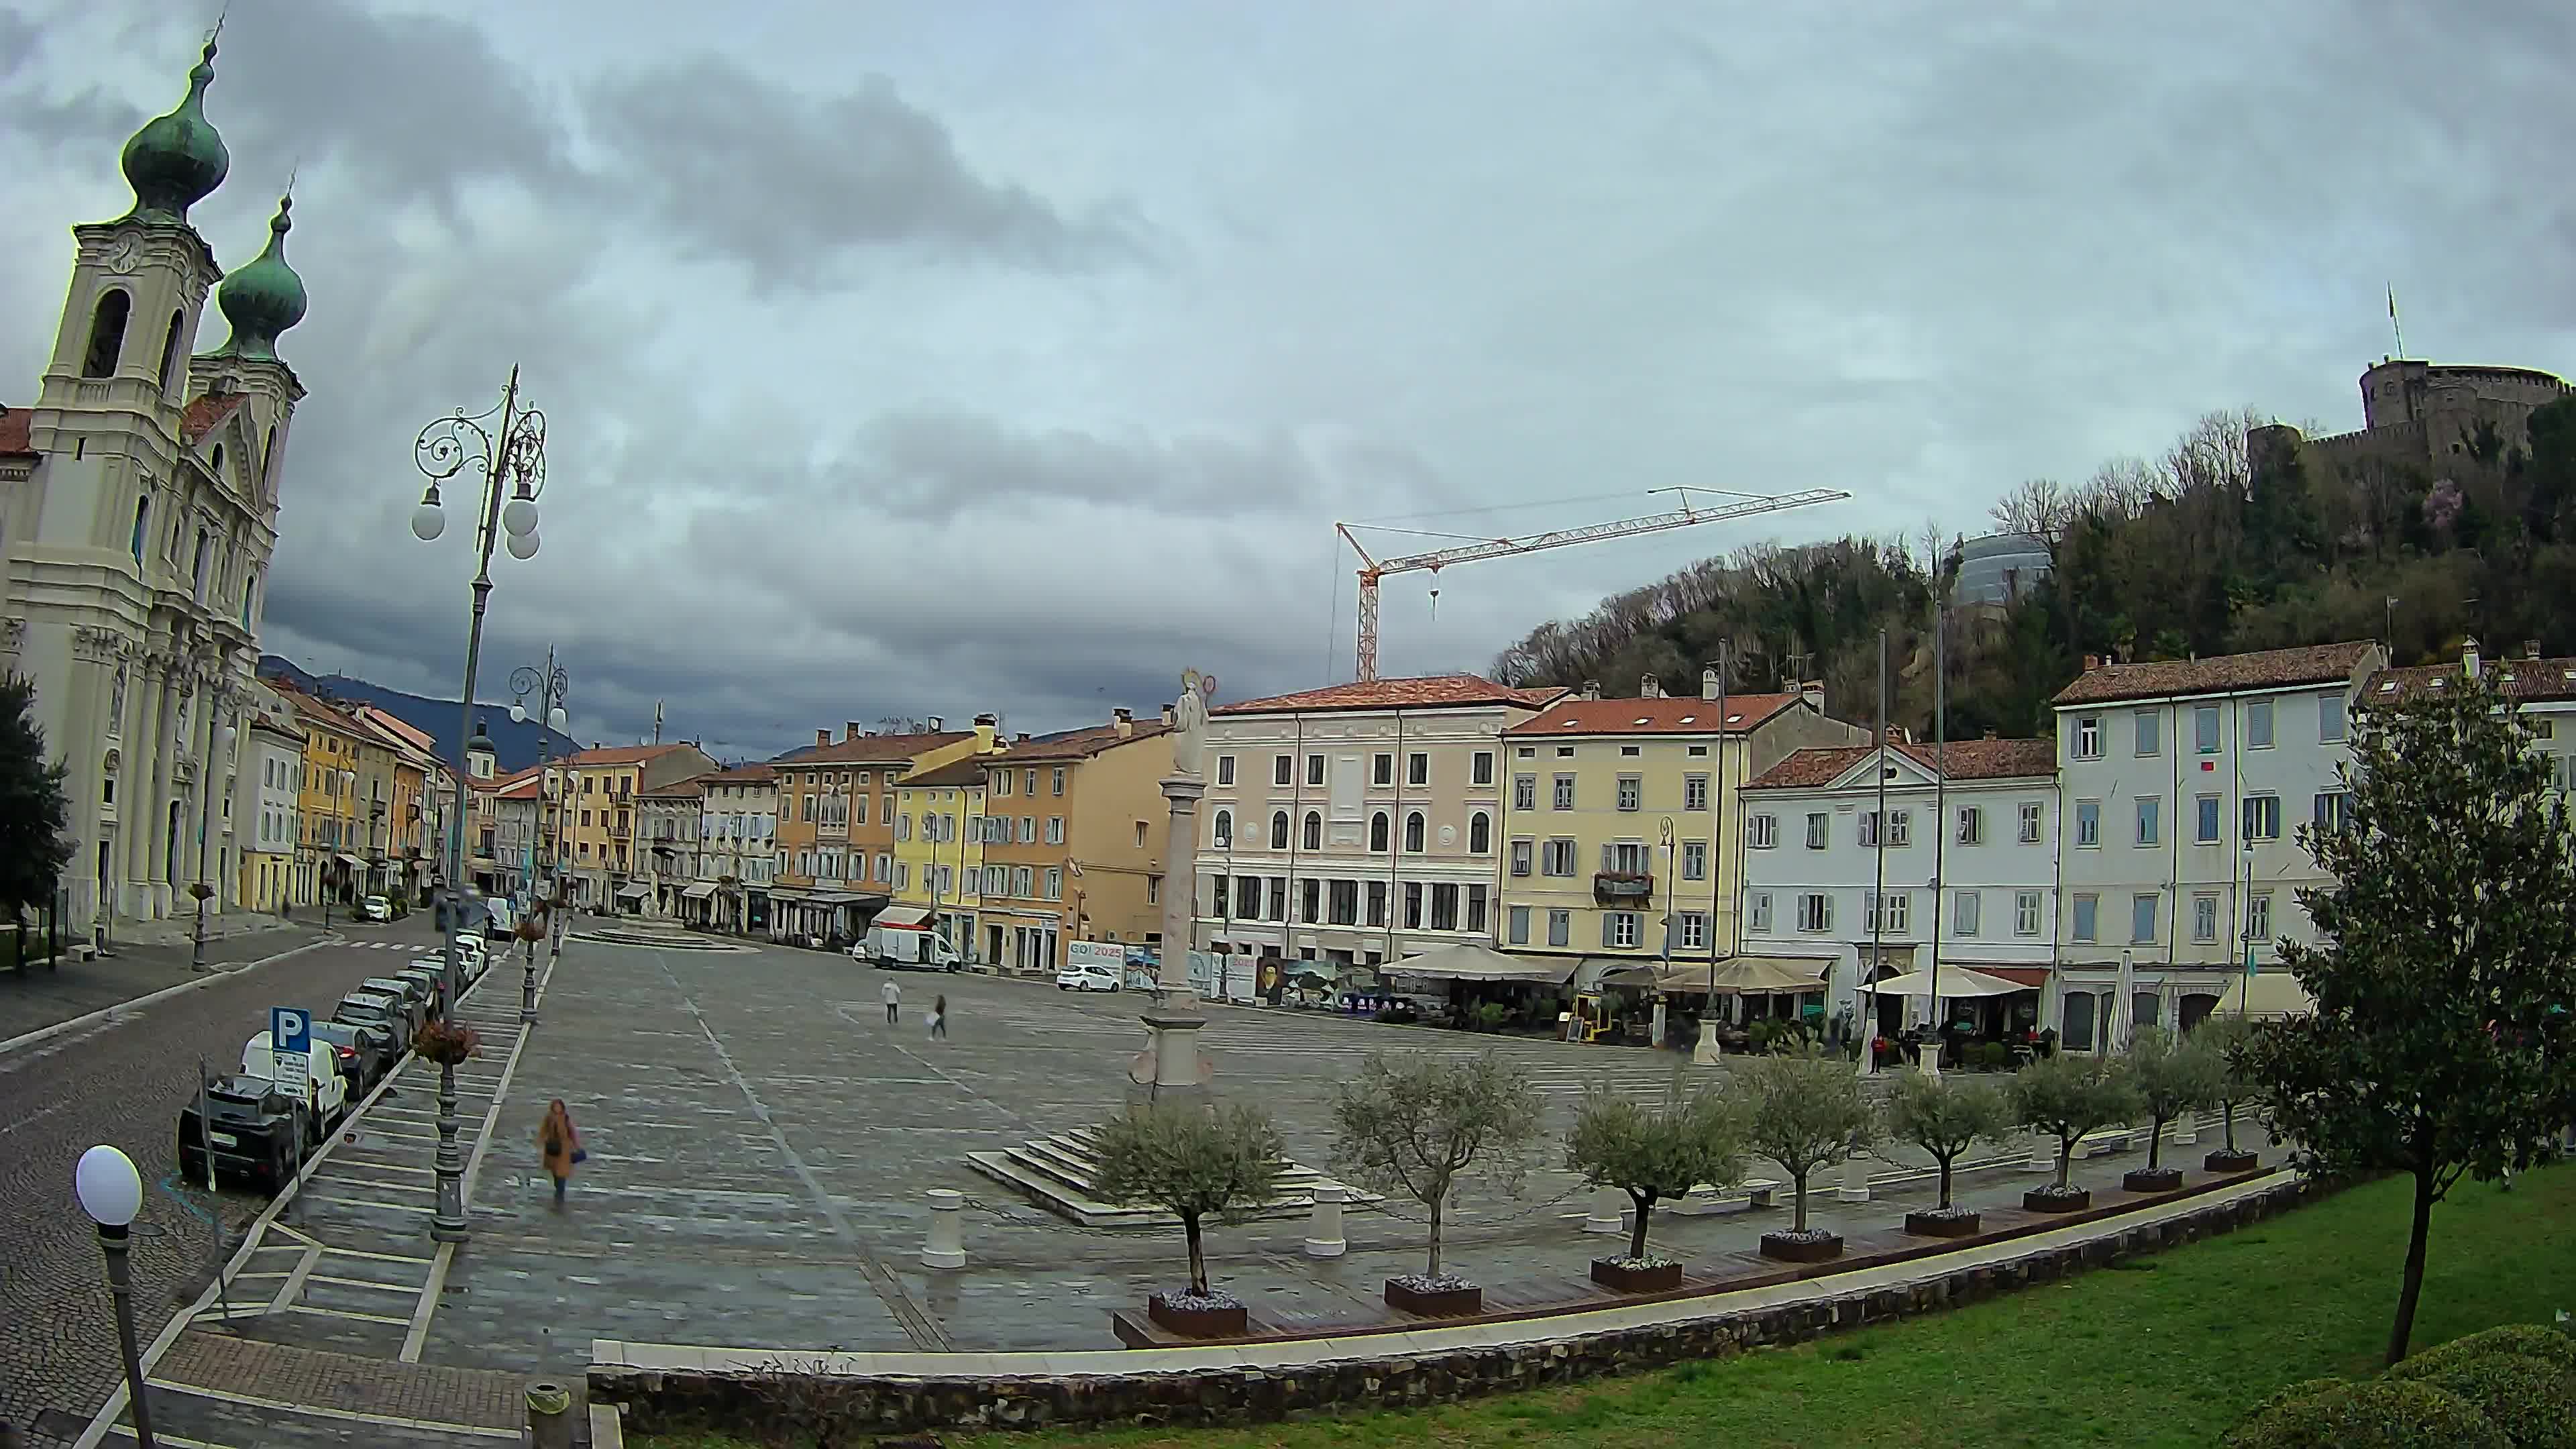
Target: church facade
(138,511)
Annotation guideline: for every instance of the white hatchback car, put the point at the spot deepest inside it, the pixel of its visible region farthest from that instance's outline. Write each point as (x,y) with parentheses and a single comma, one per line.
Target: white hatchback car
(1086,978)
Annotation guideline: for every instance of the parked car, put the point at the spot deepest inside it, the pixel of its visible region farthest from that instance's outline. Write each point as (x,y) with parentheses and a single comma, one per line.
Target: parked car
(1086,978)
(376,1008)
(324,1090)
(367,1053)
(433,980)
(250,1130)
(471,958)
(419,995)
(375,908)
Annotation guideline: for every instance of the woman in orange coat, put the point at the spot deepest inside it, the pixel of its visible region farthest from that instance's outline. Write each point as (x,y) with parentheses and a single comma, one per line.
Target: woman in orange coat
(561,1143)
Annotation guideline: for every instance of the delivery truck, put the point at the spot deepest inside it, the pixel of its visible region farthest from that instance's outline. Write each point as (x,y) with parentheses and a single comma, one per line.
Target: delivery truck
(906,948)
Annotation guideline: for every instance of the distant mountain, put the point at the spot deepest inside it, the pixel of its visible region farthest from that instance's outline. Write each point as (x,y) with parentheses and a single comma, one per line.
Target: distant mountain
(514,746)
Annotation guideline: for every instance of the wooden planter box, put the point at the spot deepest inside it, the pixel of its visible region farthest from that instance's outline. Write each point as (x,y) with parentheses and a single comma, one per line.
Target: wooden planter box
(1802,1250)
(2073,1202)
(1620,1279)
(2151,1179)
(2225,1161)
(1434,1303)
(1930,1225)
(1199,1322)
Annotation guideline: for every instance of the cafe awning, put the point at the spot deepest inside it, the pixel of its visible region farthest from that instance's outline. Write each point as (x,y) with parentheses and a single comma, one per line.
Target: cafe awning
(1734,976)
(1956,981)
(635,892)
(903,917)
(351,861)
(1467,961)
(698,892)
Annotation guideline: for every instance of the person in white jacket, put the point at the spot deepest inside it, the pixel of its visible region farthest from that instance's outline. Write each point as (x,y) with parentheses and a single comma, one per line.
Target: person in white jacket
(892,995)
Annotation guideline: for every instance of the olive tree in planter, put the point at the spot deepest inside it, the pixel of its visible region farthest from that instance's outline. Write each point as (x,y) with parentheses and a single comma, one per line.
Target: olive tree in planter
(1804,1111)
(1423,1125)
(2065,1096)
(2173,1075)
(2226,1038)
(1945,1116)
(1195,1163)
(1652,1153)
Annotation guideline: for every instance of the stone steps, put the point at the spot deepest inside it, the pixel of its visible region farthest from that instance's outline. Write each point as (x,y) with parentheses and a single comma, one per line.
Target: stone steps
(1060,1174)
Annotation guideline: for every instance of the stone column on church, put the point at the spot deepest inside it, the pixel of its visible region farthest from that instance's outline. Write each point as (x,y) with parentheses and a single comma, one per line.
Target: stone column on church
(176,693)
(150,708)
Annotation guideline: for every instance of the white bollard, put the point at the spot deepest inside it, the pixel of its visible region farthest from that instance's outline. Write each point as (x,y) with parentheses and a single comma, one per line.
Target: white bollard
(1324,1224)
(947,1245)
(1855,1183)
(2043,1156)
(1706,1052)
(2186,1129)
(1930,1052)
(1609,1212)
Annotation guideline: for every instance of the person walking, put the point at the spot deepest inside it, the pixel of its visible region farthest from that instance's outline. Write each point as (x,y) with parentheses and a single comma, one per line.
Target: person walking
(561,1143)
(892,996)
(939,1018)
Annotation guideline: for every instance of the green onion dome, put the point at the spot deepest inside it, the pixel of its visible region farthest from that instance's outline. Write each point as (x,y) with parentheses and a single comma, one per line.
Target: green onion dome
(177,160)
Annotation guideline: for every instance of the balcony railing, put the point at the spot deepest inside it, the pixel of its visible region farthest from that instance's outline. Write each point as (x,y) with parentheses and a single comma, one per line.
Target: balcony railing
(621,832)
(1624,887)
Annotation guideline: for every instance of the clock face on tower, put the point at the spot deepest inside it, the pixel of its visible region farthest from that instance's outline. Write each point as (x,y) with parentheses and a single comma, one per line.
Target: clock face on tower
(125,254)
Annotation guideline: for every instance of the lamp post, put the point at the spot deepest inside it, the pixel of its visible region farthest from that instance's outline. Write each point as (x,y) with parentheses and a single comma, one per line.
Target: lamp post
(548,685)
(511,456)
(201,890)
(349,793)
(111,1192)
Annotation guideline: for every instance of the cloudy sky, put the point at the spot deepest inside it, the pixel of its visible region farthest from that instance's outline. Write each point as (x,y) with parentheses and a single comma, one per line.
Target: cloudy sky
(930,358)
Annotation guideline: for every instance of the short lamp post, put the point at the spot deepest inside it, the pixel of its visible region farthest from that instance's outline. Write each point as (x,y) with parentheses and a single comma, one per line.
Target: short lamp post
(111,1192)
(548,685)
(507,446)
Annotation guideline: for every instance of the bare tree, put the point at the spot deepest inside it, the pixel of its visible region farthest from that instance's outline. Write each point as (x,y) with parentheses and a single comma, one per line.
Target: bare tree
(2040,507)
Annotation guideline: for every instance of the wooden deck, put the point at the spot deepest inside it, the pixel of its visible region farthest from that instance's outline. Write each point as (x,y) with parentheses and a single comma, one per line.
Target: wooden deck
(1517,1299)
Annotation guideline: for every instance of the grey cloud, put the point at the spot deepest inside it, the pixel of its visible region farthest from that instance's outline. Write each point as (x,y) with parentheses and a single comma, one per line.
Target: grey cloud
(940,465)
(791,185)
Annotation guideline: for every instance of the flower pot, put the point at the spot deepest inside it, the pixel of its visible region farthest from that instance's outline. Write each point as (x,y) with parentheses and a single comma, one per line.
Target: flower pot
(2050,1200)
(1627,1276)
(1412,1295)
(1812,1246)
(1940,1223)
(2225,1161)
(2151,1179)
(1211,1317)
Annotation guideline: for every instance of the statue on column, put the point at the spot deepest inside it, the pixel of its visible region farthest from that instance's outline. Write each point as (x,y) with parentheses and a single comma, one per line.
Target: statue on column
(1189,722)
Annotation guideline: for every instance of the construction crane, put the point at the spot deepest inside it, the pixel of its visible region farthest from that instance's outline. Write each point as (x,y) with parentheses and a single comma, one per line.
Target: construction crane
(1374,569)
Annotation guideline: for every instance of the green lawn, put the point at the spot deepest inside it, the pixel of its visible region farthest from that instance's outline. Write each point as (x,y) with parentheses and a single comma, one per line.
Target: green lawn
(2167,1350)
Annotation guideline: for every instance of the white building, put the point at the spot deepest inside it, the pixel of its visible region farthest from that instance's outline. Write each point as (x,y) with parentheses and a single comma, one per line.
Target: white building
(267,774)
(138,510)
(668,823)
(738,845)
(1307,848)
(2184,782)
(1963,872)
(2543,692)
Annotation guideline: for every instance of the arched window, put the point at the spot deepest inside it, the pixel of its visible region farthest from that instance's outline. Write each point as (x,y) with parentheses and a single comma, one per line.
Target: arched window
(250,597)
(107,333)
(1279,830)
(1377,831)
(142,515)
(218,469)
(1413,831)
(268,462)
(1480,833)
(197,574)
(1314,830)
(170,349)
(1224,830)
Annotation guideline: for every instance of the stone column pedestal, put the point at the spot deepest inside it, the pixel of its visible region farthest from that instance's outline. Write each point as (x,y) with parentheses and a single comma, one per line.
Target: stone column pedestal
(1706,1052)
(1930,1054)
(1324,1224)
(946,1248)
(1609,1212)
(2186,1131)
(1854,1186)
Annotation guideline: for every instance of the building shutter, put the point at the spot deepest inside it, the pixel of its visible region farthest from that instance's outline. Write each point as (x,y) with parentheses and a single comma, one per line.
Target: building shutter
(1605,928)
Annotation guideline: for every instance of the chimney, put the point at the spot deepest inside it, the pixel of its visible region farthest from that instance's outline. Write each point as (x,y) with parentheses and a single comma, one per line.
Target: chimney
(1708,683)
(1124,721)
(1591,689)
(1171,716)
(2469,657)
(822,737)
(1022,739)
(2092,662)
(1990,734)
(985,726)
(1813,692)
(1650,687)
(2530,648)
(850,730)
(935,724)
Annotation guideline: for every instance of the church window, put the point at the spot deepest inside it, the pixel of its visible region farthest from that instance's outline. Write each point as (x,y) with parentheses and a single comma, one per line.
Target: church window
(170,349)
(107,333)
(142,514)
(197,575)
(219,463)
(250,594)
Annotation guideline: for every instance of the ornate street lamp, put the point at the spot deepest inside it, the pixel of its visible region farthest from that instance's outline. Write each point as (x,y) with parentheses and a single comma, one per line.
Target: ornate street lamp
(507,446)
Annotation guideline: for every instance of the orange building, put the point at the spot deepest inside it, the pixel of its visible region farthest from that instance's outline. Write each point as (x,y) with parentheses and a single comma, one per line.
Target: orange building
(1074,827)
(836,826)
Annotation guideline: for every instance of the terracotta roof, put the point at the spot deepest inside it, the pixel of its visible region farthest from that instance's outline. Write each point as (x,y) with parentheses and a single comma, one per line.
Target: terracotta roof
(691,788)
(522,786)
(872,749)
(966,773)
(2224,674)
(14,423)
(2519,679)
(754,774)
(1079,744)
(1436,691)
(314,709)
(621,754)
(207,413)
(1967,760)
(1661,716)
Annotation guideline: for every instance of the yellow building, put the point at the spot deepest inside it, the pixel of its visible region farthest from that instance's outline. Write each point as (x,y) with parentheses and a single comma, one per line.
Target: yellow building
(837,814)
(1073,842)
(331,839)
(412,764)
(596,824)
(939,850)
(1618,815)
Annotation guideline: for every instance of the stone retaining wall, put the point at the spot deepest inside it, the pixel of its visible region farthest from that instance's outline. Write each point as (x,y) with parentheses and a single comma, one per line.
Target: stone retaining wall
(799,1396)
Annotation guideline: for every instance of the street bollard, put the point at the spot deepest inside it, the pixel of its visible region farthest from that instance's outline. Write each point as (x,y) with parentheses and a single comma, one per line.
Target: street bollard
(549,1415)
(2186,1129)
(1324,1225)
(1855,1183)
(1609,1212)
(2043,1156)
(947,1245)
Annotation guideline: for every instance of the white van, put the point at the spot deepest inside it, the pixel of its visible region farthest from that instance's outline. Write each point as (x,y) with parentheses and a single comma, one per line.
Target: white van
(327,1094)
(502,919)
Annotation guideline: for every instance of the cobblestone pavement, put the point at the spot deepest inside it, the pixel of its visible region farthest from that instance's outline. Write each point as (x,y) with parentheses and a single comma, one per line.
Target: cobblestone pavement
(123,1080)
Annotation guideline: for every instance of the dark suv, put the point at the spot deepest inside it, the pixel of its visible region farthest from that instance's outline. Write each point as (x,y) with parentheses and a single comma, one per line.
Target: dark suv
(251,1132)
(366,1053)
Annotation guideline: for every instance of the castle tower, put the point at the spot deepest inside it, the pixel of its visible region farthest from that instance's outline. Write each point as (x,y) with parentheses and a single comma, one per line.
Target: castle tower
(135,546)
